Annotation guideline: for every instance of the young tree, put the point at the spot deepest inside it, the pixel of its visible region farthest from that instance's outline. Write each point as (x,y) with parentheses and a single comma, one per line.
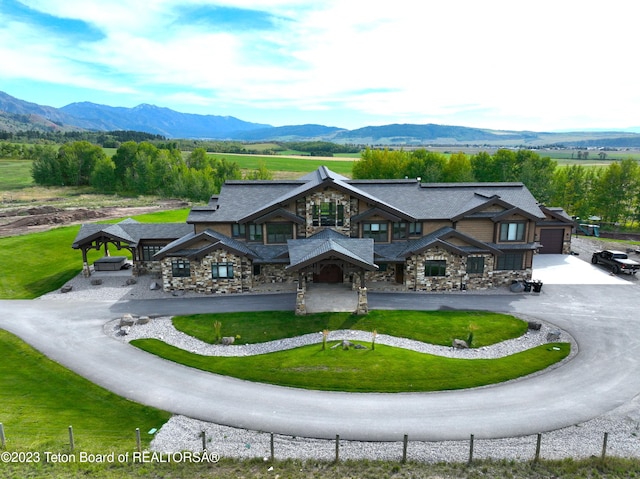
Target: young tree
(458,169)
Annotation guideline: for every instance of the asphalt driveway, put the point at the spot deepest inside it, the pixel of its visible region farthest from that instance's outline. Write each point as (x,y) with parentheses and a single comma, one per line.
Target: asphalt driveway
(603,375)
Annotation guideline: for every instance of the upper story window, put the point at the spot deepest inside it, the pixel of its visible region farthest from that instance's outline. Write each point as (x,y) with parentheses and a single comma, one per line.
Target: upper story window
(377,231)
(180,268)
(400,230)
(279,232)
(404,230)
(254,232)
(512,231)
(239,230)
(328,214)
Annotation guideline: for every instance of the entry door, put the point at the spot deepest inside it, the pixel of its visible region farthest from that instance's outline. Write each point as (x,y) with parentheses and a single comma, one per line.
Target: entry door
(330,273)
(400,273)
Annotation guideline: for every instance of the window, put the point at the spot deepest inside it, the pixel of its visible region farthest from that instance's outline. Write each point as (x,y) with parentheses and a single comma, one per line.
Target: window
(400,230)
(382,267)
(415,229)
(512,231)
(238,231)
(475,264)
(180,268)
(435,267)
(328,214)
(510,261)
(376,231)
(279,232)
(256,269)
(149,250)
(221,270)
(255,232)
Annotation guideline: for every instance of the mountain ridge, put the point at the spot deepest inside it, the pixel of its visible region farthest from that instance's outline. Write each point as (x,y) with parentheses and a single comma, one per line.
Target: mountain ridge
(20,115)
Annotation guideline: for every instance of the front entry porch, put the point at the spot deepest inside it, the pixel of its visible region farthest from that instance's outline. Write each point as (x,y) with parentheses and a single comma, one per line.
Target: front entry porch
(323,297)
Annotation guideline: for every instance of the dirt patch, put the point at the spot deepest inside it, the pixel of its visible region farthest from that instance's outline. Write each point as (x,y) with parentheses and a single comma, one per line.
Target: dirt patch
(21,221)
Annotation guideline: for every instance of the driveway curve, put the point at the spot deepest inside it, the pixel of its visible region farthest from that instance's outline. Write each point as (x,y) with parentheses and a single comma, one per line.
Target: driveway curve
(602,376)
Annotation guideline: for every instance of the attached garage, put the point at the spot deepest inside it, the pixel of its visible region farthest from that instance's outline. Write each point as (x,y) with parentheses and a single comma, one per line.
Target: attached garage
(551,240)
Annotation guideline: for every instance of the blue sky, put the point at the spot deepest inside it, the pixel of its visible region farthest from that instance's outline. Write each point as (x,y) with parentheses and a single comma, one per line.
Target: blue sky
(522,65)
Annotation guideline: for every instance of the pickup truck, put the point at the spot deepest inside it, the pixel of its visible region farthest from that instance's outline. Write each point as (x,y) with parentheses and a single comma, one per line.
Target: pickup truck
(618,261)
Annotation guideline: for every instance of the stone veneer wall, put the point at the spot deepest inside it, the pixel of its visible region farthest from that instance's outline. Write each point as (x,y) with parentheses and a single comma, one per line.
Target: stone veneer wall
(147,267)
(274,273)
(335,197)
(200,280)
(456,274)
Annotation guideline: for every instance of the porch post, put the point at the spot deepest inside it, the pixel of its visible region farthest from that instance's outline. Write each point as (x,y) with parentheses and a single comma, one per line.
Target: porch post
(86,272)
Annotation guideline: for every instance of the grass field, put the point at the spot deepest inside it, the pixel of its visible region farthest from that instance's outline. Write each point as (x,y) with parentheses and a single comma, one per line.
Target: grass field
(15,174)
(43,262)
(41,399)
(434,327)
(295,166)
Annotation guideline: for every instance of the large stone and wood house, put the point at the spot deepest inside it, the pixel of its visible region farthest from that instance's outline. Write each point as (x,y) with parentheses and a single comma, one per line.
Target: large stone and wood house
(325,227)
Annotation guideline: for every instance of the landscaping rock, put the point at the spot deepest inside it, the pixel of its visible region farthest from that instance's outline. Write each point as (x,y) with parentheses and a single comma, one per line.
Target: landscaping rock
(96,281)
(227,340)
(154,286)
(127,320)
(534,325)
(143,320)
(66,288)
(131,281)
(553,336)
(460,344)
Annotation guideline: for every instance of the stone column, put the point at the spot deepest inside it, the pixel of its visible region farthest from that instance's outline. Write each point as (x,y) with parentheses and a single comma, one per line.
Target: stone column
(363,305)
(301,308)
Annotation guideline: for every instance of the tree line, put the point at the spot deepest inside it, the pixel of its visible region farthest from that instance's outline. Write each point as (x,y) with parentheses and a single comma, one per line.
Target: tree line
(611,193)
(138,168)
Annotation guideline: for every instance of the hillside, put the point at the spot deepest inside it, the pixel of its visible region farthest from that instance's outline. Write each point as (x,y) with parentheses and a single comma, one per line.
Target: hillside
(19,115)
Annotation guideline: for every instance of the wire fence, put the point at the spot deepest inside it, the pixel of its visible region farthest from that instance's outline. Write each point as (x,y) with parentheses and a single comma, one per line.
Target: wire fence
(272,447)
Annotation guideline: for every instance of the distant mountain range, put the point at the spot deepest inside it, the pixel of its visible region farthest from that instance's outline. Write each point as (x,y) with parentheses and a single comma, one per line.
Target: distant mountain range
(19,115)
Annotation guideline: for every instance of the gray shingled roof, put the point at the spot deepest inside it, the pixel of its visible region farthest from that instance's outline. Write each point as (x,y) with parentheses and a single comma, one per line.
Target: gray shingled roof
(183,246)
(358,251)
(131,231)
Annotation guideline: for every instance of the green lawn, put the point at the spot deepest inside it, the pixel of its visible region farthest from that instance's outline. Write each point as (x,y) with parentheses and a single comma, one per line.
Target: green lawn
(385,369)
(40,400)
(294,165)
(15,174)
(435,327)
(43,262)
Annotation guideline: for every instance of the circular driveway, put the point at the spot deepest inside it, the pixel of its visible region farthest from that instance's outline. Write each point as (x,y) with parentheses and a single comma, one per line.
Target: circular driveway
(602,375)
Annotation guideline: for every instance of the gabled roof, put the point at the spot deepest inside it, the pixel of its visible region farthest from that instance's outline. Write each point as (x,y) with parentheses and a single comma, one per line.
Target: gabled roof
(130,231)
(331,244)
(191,246)
(440,237)
(556,213)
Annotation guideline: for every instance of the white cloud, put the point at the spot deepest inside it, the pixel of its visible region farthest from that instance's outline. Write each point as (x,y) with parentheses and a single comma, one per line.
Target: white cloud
(519,63)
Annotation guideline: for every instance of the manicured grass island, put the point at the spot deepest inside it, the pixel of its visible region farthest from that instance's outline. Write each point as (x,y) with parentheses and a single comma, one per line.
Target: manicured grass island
(384,369)
(380,369)
(434,327)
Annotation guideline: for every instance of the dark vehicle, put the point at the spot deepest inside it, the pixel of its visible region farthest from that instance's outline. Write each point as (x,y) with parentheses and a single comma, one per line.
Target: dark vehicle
(618,261)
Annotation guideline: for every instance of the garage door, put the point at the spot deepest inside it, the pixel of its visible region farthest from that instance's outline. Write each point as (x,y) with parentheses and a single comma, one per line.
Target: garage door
(551,241)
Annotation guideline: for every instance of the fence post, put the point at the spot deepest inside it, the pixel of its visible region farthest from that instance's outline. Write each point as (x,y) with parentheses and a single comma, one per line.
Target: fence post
(538,441)
(138,440)
(204,440)
(272,449)
(2,438)
(337,447)
(604,445)
(471,449)
(71,442)
(404,448)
